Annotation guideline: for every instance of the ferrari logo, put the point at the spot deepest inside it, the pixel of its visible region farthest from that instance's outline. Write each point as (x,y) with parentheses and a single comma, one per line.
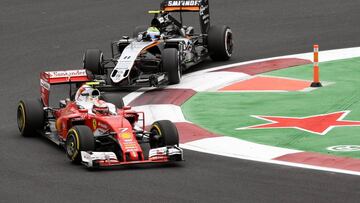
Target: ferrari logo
(94,123)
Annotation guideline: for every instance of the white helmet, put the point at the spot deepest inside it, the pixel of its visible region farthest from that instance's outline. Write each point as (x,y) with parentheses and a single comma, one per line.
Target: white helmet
(86,93)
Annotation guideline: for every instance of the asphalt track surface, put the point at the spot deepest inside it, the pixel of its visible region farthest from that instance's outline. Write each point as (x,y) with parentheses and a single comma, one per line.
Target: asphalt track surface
(42,35)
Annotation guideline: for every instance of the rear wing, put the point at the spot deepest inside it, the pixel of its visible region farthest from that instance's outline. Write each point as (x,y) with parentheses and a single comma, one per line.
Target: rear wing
(201,6)
(49,78)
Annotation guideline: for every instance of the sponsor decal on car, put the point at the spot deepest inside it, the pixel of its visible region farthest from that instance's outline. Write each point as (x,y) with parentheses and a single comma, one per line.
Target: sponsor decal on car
(184,3)
(126,135)
(69,73)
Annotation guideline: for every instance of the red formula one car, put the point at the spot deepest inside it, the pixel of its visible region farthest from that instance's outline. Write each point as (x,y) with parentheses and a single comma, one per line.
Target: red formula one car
(94,128)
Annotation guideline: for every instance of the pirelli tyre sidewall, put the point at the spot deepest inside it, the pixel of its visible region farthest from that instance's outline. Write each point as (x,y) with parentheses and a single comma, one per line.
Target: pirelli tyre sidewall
(79,138)
(30,117)
(93,61)
(220,43)
(163,133)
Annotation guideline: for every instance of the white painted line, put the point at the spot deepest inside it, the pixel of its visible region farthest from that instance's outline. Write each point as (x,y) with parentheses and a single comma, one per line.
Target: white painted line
(161,112)
(271,161)
(133,95)
(130,97)
(235,147)
(208,80)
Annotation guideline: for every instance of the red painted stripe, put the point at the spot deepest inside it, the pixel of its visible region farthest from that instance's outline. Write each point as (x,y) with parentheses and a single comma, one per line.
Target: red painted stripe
(164,96)
(190,132)
(267,66)
(261,83)
(322,160)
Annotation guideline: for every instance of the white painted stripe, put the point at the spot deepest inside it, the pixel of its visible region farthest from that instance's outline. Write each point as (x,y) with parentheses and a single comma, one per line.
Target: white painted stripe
(161,112)
(133,95)
(234,147)
(205,81)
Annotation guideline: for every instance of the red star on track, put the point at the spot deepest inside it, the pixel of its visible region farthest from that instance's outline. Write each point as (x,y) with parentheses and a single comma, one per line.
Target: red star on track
(317,124)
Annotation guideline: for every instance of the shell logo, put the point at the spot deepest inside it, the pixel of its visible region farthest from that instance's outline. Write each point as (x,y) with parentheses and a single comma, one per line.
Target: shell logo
(126,135)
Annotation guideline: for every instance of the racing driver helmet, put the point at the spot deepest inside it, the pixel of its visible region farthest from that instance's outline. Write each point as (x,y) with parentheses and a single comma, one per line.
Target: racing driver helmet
(153,33)
(87,93)
(100,107)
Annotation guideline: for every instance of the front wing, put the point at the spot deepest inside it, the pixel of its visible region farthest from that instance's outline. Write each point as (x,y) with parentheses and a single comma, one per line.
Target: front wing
(107,159)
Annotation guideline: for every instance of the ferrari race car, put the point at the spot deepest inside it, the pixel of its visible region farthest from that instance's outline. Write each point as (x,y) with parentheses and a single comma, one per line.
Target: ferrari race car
(159,54)
(95,129)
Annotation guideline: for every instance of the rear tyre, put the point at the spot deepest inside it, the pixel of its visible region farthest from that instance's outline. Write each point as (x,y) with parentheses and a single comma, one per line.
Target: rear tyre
(93,61)
(171,65)
(163,133)
(113,98)
(79,138)
(138,29)
(220,43)
(30,117)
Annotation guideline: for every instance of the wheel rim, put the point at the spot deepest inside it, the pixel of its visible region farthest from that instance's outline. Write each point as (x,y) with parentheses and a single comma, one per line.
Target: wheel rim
(71,146)
(228,42)
(21,118)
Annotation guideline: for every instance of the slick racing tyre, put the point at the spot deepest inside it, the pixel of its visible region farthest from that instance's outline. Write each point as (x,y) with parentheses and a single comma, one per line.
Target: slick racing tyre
(113,98)
(79,138)
(171,65)
(163,133)
(138,29)
(30,117)
(220,43)
(93,61)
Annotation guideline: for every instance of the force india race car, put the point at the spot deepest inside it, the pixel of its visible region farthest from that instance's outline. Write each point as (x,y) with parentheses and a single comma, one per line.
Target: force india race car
(146,60)
(95,130)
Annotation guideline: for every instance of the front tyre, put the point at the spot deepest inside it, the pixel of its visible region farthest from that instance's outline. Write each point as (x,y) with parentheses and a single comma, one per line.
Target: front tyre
(220,43)
(163,133)
(79,138)
(171,65)
(30,117)
(93,61)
